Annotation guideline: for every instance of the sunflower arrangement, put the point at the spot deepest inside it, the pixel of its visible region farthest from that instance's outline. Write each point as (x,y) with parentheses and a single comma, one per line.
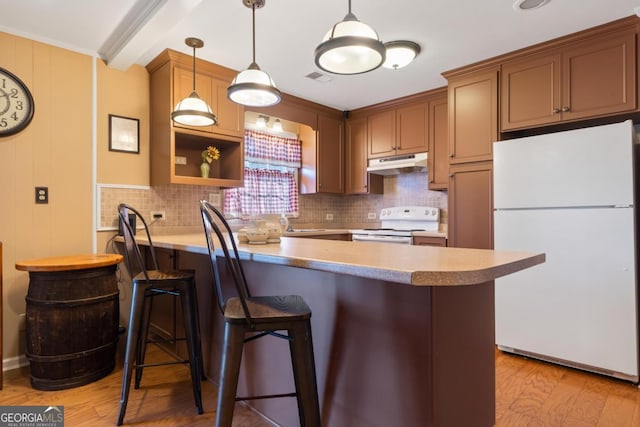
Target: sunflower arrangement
(210,154)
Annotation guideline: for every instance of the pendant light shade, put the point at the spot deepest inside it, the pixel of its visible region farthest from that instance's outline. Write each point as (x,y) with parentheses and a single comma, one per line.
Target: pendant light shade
(350,47)
(192,110)
(254,87)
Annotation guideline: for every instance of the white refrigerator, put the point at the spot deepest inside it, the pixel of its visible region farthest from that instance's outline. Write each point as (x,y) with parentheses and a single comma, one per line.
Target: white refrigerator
(570,195)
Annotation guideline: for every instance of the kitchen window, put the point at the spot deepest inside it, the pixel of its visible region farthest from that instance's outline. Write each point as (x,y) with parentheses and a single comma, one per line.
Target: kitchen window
(271,164)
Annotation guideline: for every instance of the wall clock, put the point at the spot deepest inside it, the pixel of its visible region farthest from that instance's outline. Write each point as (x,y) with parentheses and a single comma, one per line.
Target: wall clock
(16,104)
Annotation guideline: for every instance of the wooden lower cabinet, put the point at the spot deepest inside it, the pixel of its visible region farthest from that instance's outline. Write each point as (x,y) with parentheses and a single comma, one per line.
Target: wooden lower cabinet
(429,241)
(166,311)
(471,205)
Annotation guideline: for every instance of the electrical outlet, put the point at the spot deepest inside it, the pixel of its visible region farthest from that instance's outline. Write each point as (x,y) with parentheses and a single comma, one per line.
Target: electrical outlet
(181,160)
(329,217)
(158,215)
(42,195)
(214,199)
(371,215)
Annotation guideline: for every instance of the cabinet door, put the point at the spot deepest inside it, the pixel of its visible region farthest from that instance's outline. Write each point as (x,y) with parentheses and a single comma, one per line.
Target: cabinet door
(599,77)
(183,86)
(358,180)
(382,134)
(214,92)
(330,155)
(471,206)
(438,141)
(473,116)
(429,241)
(230,115)
(530,89)
(411,128)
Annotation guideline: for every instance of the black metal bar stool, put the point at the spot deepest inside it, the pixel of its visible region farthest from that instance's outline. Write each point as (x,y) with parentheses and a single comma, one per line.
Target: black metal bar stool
(148,283)
(248,318)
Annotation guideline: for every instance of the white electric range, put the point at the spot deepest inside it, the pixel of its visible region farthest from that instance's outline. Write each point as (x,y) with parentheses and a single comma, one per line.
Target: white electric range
(397,225)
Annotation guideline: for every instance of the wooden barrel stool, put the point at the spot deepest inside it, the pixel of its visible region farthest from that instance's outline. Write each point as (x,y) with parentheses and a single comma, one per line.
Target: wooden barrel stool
(72,319)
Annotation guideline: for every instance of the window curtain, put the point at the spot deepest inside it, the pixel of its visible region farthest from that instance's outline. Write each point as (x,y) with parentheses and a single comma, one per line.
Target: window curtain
(270,185)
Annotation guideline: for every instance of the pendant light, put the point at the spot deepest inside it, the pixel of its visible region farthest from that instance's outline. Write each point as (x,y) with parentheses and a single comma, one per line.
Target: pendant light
(192,110)
(350,47)
(254,87)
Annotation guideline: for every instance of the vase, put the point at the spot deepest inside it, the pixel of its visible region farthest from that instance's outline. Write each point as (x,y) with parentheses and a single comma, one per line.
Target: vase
(204,169)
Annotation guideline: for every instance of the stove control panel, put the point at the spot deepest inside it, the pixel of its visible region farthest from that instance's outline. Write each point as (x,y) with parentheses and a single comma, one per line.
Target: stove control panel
(410,213)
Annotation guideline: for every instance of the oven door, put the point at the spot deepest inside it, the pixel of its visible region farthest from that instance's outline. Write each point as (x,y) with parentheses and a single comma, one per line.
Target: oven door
(402,240)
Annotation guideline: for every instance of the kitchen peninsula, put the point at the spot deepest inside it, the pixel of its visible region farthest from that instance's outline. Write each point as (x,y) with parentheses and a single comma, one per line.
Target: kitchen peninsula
(403,338)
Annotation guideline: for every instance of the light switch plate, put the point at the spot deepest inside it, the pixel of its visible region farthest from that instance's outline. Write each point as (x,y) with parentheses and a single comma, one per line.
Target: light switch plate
(181,160)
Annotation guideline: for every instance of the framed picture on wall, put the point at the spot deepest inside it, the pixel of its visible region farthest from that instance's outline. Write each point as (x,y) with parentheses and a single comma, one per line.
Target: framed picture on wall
(124,134)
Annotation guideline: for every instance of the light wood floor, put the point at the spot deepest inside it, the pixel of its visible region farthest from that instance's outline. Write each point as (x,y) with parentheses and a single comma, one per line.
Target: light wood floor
(533,393)
(528,393)
(163,399)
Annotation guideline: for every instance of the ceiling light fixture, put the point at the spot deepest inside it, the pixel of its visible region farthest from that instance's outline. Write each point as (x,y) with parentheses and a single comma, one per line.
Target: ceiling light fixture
(400,53)
(277,126)
(192,110)
(254,87)
(524,5)
(261,121)
(350,47)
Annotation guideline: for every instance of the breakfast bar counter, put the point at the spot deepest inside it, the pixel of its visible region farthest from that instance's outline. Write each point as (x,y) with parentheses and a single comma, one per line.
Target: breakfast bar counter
(402,337)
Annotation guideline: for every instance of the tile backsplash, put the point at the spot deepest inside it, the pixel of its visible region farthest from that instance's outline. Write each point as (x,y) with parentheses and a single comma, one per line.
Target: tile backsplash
(180,204)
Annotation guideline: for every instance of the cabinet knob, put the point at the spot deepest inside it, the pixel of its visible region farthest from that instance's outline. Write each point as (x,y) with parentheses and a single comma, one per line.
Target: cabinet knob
(451,175)
(556,110)
(450,154)
(565,109)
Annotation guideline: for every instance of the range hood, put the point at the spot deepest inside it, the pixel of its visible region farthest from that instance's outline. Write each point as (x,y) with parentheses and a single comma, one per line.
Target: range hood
(398,164)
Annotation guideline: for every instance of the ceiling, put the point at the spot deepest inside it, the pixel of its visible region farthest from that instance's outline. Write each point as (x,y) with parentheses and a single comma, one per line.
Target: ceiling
(451,33)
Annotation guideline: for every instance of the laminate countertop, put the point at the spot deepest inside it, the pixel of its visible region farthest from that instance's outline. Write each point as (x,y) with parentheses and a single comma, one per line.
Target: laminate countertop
(406,264)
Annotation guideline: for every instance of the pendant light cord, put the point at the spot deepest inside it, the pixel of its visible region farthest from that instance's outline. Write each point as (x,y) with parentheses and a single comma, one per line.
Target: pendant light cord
(253,13)
(194,68)
(349,7)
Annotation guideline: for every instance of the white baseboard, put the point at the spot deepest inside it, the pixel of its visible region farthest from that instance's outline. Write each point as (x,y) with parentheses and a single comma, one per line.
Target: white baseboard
(14,363)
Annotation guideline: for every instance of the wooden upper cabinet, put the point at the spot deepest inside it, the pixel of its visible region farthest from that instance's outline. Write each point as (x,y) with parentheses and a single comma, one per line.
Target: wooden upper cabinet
(399,131)
(357,179)
(530,91)
(438,159)
(330,154)
(175,154)
(411,128)
(214,92)
(382,134)
(590,78)
(473,116)
(322,157)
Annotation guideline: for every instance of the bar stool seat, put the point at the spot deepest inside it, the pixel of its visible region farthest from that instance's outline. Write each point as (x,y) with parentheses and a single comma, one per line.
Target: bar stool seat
(248,318)
(147,284)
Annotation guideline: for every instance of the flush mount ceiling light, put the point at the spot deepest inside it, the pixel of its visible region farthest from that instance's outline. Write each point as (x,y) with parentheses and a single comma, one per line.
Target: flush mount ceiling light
(400,53)
(254,87)
(524,5)
(193,111)
(350,47)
